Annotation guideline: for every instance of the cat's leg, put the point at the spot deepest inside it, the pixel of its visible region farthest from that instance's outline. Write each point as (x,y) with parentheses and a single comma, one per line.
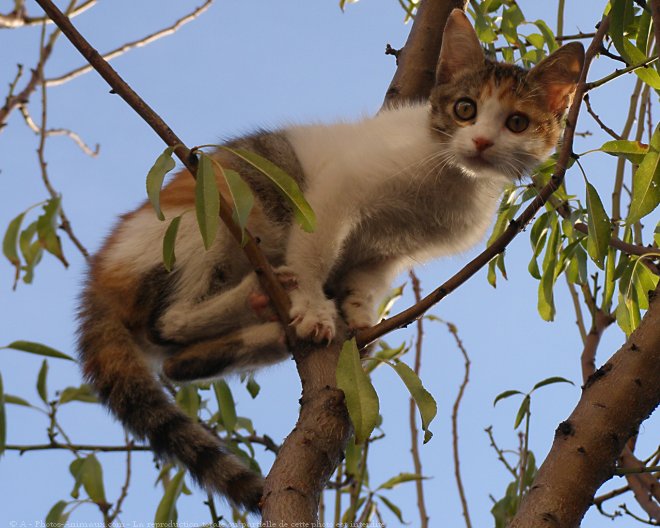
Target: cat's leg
(309,259)
(363,287)
(188,319)
(250,347)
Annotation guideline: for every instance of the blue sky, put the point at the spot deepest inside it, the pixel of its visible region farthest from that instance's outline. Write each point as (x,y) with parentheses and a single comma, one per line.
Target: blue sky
(243,65)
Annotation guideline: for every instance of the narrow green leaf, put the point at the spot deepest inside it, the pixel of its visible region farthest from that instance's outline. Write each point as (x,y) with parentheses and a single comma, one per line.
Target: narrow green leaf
(393,508)
(253,387)
(15,400)
(600,227)
(425,402)
(3,419)
(245,423)
(548,35)
(400,479)
(47,224)
(31,249)
(361,398)
(76,469)
(92,479)
(56,515)
(10,241)
(84,393)
(388,302)
(169,241)
(41,381)
(284,183)
(644,282)
(644,27)
(550,381)
(505,394)
(546,302)
(385,354)
(530,469)
(207,200)
(242,198)
(225,404)
(163,164)
(522,411)
(623,316)
(646,182)
(656,234)
(166,512)
(633,151)
(37,348)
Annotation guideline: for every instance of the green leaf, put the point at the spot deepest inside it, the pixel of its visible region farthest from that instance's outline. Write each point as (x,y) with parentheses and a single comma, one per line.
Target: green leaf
(646,182)
(393,508)
(3,419)
(627,314)
(207,200)
(352,457)
(522,411)
(242,198)
(644,27)
(56,515)
(388,302)
(92,479)
(546,302)
(166,513)
(600,227)
(47,229)
(425,402)
(32,251)
(483,25)
(169,240)
(225,404)
(361,398)
(163,164)
(633,151)
(75,468)
(644,282)
(505,394)
(550,381)
(15,400)
(41,382)
(10,242)
(37,348)
(252,387)
(530,470)
(400,479)
(548,35)
(84,393)
(284,183)
(386,353)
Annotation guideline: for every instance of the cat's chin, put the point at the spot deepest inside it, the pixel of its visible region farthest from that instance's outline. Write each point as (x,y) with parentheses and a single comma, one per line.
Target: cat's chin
(476,166)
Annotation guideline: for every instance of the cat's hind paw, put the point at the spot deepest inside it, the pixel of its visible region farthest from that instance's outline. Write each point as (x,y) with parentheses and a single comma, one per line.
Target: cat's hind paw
(313,318)
(358,313)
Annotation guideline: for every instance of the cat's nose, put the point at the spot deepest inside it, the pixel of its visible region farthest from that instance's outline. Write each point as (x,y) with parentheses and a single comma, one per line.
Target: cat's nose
(482,143)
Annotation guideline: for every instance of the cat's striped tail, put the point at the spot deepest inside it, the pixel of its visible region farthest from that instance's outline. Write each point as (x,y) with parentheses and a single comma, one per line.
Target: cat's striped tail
(113,364)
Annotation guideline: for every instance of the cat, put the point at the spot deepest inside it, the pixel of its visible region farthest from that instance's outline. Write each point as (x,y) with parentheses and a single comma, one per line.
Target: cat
(414,182)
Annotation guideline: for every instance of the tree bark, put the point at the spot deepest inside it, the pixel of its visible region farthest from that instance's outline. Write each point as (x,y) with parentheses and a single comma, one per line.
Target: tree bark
(615,400)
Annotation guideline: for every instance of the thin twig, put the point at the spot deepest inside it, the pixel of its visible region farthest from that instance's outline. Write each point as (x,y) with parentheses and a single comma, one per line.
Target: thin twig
(500,452)
(454,424)
(56,81)
(18,18)
(75,447)
(579,318)
(618,73)
(412,411)
(598,120)
(127,481)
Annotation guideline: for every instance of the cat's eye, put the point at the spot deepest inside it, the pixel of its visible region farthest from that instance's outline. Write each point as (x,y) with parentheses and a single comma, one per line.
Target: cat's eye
(465,109)
(517,123)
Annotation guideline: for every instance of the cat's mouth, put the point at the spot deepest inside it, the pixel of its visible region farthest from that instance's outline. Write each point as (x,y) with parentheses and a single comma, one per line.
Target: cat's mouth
(475,161)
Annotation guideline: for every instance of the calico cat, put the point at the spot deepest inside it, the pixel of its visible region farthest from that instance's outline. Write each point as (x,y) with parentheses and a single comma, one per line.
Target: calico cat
(411,183)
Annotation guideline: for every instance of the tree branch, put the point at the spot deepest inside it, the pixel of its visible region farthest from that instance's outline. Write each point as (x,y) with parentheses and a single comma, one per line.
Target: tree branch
(592,438)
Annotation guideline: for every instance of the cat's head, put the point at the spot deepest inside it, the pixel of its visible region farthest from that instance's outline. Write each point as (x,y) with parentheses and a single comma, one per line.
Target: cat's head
(495,118)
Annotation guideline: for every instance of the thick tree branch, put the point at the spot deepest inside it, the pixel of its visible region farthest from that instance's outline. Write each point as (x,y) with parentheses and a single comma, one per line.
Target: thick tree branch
(592,438)
(416,61)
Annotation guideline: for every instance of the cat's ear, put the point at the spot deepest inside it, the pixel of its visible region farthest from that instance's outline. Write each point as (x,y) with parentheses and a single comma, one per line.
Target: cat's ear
(461,48)
(559,74)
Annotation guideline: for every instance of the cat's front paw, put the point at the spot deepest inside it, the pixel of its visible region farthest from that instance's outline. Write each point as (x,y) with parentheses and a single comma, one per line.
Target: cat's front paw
(313,317)
(358,312)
